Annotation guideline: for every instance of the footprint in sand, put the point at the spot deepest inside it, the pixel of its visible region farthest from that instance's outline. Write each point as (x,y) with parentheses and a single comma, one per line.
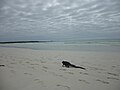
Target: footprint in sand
(27,73)
(63,69)
(63,86)
(32,67)
(44,70)
(114,66)
(34,64)
(95,68)
(70,73)
(112,78)
(58,75)
(13,63)
(82,80)
(27,62)
(102,81)
(42,61)
(38,81)
(45,67)
(113,74)
(83,73)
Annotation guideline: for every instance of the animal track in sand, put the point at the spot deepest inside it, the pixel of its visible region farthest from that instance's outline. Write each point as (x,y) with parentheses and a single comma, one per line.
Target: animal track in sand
(102,81)
(44,70)
(114,66)
(32,67)
(83,73)
(82,80)
(45,67)
(39,82)
(113,74)
(112,78)
(63,69)
(27,62)
(34,64)
(58,75)
(70,73)
(64,86)
(42,61)
(27,73)
(95,68)
(13,63)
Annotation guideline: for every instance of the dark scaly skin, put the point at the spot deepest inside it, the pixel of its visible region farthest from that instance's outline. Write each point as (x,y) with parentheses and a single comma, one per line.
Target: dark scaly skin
(67,64)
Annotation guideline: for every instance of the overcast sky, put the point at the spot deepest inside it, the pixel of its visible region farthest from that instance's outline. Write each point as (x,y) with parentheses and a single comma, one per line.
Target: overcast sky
(59,19)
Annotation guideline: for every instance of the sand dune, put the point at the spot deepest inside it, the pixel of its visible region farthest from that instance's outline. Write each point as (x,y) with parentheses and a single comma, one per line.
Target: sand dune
(25,69)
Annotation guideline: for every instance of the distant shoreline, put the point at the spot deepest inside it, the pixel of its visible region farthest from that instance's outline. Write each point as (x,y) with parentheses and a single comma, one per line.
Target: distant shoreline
(12,42)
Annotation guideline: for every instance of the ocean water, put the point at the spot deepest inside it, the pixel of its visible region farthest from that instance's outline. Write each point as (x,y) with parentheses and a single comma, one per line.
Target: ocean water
(73,45)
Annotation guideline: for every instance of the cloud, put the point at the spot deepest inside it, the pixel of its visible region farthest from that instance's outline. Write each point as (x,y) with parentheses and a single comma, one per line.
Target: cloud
(59,16)
(49,4)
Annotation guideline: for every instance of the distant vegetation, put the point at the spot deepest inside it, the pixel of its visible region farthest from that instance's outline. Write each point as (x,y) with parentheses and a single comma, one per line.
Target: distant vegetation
(10,42)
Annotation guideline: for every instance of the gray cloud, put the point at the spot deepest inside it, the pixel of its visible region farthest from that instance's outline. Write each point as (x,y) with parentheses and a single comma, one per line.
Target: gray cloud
(59,18)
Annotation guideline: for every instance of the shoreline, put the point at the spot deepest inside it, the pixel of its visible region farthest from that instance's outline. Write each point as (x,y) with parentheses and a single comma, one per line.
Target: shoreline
(65,47)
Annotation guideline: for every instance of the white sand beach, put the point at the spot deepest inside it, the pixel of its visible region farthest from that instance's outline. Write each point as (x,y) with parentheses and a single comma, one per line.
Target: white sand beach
(27,69)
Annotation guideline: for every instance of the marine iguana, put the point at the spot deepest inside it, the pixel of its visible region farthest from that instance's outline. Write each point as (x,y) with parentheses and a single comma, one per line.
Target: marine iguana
(68,64)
